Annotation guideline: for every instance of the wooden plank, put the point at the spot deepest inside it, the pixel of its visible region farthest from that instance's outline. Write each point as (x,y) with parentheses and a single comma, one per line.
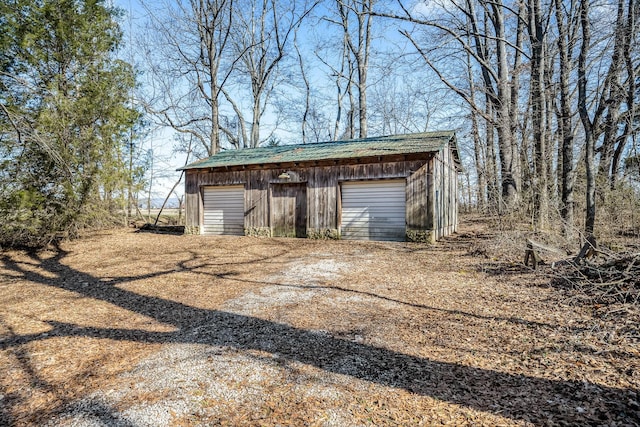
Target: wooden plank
(430,180)
(328,201)
(289,210)
(257,200)
(312,199)
(192,202)
(437,200)
(416,196)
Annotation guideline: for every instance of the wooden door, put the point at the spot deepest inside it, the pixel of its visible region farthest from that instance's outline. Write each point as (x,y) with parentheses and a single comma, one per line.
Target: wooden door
(289,210)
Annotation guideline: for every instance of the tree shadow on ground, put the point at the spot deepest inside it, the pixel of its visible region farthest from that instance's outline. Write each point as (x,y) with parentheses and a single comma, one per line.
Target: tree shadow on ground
(512,319)
(519,397)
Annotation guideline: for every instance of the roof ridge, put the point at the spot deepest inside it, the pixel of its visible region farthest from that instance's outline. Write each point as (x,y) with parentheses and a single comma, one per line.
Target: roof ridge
(421,142)
(431,134)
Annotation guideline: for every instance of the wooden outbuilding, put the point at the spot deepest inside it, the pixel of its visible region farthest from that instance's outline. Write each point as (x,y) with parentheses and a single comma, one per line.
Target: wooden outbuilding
(399,187)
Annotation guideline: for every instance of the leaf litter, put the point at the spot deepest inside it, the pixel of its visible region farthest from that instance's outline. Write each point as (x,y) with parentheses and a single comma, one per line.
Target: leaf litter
(136,329)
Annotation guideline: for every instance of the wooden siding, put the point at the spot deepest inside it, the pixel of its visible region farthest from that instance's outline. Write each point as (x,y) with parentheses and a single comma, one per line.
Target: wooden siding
(445,185)
(289,209)
(322,182)
(419,212)
(322,198)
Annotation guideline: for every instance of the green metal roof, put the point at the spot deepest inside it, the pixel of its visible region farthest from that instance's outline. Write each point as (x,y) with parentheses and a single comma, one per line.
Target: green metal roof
(426,142)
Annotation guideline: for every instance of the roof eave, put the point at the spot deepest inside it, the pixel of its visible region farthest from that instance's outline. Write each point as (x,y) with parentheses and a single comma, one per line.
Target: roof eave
(441,136)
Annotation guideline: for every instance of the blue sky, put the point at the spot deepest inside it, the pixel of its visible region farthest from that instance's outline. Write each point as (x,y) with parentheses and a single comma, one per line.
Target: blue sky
(312,38)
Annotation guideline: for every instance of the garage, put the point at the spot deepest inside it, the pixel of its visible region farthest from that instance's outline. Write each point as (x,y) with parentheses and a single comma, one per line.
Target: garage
(373,210)
(377,188)
(223,212)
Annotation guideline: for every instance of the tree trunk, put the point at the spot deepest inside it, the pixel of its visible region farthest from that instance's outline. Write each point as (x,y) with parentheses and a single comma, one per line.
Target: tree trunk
(364,43)
(631,27)
(307,88)
(360,52)
(590,199)
(214,141)
(507,146)
(480,163)
(493,194)
(255,122)
(565,161)
(540,181)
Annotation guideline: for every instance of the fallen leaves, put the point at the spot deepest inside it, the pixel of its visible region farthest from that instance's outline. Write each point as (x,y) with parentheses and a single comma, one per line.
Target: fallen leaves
(247,331)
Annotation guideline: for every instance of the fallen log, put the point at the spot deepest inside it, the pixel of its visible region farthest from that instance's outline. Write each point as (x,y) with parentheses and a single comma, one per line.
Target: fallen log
(163,229)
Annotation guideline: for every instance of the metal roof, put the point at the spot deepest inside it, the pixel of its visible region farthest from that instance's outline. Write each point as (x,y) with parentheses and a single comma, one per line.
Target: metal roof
(415,143)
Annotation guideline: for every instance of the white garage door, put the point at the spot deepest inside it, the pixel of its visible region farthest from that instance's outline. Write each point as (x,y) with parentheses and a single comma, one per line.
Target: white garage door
(373,210)
(224,210)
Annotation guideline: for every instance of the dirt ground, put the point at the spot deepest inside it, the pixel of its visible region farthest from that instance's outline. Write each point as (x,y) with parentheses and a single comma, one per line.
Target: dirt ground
(133,329)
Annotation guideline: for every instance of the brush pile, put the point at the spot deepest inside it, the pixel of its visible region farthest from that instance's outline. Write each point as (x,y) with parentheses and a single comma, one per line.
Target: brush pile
(608,278)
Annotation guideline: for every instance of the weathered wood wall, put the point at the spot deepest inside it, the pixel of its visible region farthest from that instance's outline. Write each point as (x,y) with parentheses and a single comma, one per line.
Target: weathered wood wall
(289,210)
(322,187)
(445,187)
(419,209)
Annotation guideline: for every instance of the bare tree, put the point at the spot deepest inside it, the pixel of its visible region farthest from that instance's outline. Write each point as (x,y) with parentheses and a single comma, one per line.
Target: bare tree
(353,20)
(536,30)
(342,78)
(186,49)
(588,124)
(566,25)
(359,47)
(489,48)
(262,32)
(479,151)
(599,101)
(620,87)
(307,88)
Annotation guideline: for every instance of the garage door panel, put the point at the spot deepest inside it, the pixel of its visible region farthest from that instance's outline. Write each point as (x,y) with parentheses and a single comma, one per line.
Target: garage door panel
(223,210)
(374,233)
(373,210)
